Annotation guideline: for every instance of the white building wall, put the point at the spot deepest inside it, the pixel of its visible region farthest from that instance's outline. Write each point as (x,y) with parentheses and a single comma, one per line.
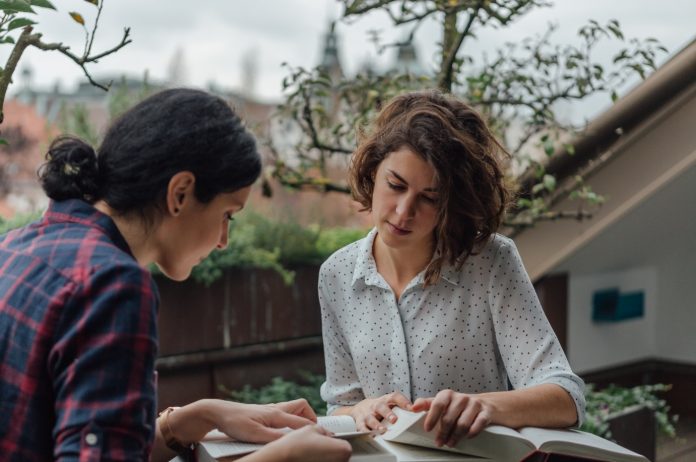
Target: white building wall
(652,248)
(593,345)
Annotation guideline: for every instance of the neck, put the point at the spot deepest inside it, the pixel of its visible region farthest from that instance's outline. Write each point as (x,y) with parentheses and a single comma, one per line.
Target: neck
(401,264)
(134,233)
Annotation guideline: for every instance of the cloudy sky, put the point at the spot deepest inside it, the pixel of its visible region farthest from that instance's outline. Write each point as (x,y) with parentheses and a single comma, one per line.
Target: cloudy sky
(215,37)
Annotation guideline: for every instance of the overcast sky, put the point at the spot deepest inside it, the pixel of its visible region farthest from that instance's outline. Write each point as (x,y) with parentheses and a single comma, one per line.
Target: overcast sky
(215,36)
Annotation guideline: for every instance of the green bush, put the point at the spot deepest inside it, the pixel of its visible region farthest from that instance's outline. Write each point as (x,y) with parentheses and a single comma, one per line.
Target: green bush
(255,242)
(283,390)
(258,242)
(8,224)
(601,404)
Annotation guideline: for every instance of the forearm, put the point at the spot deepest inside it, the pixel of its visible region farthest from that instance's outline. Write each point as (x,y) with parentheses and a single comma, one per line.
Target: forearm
(343,410)
(188,424)
(269,453)
(545,405)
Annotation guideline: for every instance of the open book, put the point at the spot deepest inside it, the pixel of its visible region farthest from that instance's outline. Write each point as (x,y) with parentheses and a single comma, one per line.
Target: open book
(407,441)
(504,444)
(217,447)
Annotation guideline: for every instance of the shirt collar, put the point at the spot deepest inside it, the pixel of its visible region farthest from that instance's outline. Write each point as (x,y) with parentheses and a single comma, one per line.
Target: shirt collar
(366,268)
(79,211)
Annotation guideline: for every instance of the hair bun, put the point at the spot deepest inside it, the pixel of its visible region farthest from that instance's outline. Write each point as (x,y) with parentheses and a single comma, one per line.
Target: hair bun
(70,171)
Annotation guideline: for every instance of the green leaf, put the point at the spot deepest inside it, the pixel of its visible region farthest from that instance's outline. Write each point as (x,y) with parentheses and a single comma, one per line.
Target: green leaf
(614,96)
(549,182)
(93,2)
(570,149)
(21,6)
(548,147)
(3,142)
(19,22)
(77,17)
(42,4)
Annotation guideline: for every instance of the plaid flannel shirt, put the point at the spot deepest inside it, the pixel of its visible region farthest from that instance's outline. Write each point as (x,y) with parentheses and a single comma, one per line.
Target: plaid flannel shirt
(78,341)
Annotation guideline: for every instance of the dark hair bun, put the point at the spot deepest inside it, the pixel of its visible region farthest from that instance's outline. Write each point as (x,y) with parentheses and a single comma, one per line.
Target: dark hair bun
(70,171)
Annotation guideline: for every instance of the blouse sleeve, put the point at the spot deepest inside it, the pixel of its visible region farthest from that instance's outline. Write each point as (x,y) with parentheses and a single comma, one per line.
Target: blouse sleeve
(528,346)
(342,386)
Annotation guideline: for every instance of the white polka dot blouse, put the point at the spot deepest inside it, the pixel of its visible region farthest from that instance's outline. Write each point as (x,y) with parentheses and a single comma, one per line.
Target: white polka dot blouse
(472,331)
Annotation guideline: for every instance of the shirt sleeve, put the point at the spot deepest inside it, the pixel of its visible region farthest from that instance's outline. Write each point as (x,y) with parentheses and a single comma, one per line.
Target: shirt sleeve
(102,367)
(342,386)
(528,346)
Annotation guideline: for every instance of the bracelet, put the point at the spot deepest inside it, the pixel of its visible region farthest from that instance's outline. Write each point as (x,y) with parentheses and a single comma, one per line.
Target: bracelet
(186,452)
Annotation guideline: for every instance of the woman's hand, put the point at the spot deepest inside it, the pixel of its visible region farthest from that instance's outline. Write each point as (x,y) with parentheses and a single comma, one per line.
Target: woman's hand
(454,415)
(297,407)
(256,423)
(369,413)
(311,443)
(253,423)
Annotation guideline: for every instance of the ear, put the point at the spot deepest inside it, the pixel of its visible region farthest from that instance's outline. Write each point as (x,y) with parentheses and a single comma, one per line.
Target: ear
(180,192)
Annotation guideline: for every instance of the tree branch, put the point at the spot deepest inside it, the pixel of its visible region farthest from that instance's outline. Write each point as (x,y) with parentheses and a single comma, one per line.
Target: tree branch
(313,133)
(35,40)
(445,80)
(6,77)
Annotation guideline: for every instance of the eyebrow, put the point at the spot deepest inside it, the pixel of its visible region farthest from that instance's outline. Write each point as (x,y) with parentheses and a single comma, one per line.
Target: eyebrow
(400,178)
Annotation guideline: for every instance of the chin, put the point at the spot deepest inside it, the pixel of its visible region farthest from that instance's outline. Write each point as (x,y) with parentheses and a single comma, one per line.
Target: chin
(175,274)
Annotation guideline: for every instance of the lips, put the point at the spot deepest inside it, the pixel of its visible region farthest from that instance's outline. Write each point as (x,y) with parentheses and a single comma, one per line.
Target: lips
(398,231)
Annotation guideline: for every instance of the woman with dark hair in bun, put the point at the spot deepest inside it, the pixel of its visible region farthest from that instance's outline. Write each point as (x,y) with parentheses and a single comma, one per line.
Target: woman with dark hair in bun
(78,309)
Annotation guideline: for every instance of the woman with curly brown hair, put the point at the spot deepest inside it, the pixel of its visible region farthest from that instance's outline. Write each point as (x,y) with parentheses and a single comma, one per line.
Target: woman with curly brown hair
(433,305)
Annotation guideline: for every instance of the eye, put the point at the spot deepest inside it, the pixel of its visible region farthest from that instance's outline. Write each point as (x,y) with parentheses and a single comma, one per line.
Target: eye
(430,200)
(229,217)
(395,187)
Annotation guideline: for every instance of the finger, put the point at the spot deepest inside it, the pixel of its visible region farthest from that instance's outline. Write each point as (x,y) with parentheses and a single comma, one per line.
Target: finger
(298,407)
(450,420)
(383,411)
(282,419)
(373,423)
(317,429)
(437,408)
(422,404)
(463,427)
(483,419)
(398,399)
(263,434)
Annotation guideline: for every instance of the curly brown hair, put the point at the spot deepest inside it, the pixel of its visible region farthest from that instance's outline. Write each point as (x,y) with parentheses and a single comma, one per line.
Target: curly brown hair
(468,162)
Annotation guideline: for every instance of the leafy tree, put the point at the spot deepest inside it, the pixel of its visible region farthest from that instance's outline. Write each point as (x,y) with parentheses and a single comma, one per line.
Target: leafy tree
(519,87)
(20,16)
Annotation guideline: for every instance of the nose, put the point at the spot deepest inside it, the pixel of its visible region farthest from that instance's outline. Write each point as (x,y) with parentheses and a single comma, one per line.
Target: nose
(406,206)
(223,236)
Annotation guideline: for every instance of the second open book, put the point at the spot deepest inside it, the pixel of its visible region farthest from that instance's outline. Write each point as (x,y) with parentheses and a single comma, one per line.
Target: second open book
(407,441)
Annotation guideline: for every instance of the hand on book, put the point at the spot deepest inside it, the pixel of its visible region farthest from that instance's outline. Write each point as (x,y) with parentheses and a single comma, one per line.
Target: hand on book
(256,423)
(311,443)
(454,415)
(369,413)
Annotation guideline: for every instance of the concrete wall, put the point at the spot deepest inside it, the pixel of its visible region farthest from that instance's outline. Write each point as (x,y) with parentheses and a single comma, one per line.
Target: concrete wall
(652,248)
(593,345)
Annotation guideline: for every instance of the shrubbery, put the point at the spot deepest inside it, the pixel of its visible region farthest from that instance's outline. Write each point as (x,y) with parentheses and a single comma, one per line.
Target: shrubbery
(256,242)
(601,404)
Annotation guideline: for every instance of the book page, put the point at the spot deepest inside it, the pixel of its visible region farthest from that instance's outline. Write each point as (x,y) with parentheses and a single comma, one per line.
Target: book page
(366,449)
(494,442)
(575,442)
(409,453)
(219,449)
(338,423)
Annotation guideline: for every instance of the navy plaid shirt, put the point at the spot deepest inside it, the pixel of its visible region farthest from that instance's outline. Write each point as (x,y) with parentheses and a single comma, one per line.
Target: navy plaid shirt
(78,341)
